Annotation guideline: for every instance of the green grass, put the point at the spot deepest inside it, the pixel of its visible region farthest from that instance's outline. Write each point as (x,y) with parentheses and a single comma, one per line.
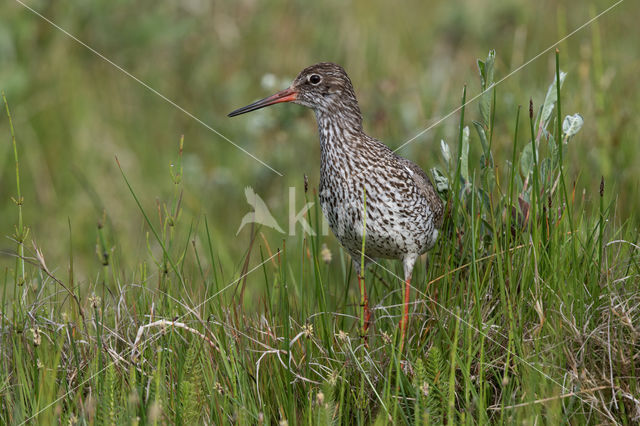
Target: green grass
(527,311)
(126,297)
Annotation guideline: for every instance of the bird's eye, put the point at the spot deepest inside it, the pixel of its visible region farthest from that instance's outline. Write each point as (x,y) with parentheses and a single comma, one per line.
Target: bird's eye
(315,79)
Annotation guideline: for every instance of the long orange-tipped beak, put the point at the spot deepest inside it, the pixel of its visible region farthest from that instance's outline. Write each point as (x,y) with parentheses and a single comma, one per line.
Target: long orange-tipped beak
(287,95)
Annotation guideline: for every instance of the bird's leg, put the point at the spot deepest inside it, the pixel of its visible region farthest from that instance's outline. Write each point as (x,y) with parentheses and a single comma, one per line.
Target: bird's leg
(364,303)
(405,312)
(408,263)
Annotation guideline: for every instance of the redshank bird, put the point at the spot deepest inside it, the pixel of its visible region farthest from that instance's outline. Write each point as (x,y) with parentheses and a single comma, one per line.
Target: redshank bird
(365,188)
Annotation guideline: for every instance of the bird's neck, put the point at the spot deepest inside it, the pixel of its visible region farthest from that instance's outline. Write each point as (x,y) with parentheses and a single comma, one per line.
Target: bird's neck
(340,131)
(341,144)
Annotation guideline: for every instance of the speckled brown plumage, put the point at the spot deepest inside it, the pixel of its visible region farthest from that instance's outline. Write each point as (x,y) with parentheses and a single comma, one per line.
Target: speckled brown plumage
(403,210)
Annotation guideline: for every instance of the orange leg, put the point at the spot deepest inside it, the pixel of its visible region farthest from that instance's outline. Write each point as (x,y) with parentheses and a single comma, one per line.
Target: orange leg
(364,302)
(405,312)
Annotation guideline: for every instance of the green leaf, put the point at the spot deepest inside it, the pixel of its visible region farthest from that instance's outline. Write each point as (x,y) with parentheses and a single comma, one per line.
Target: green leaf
(441,181)
(489,179)
(487,158)
(550,100)
(486,82)
(572,124)
(526,160)
(546,170)
(464,156)
(489,176)
(446,152)
(437,392)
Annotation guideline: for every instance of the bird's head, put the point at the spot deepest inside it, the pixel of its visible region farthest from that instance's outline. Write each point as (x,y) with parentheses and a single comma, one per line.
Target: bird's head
(323,87)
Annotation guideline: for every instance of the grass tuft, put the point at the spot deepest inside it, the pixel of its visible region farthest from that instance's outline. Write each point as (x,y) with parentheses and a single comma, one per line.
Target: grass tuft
(527,309)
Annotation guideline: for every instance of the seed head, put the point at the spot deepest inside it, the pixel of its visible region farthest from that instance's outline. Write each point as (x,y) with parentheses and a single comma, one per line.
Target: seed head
(37,338)
(218,387)
(307,329)
(95,301)
(342,335)
(425,389)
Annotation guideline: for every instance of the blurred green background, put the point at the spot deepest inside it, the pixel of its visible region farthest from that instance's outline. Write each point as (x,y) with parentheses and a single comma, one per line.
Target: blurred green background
(74,113)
